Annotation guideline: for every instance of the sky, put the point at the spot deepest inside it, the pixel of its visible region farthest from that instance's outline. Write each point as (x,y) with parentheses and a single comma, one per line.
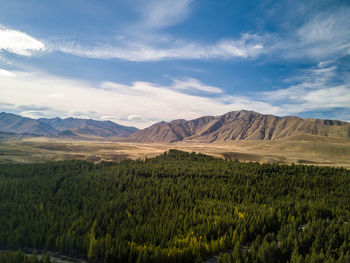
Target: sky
(143,61)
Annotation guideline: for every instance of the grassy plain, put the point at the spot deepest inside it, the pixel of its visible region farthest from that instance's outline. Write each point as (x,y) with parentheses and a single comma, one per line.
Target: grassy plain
(298,149)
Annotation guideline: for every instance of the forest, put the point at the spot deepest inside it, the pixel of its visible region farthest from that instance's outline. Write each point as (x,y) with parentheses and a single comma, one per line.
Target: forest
(20,257)
(176,207)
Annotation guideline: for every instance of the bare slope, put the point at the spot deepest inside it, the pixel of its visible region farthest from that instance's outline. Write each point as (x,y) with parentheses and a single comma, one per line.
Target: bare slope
(306,149)
(240,125)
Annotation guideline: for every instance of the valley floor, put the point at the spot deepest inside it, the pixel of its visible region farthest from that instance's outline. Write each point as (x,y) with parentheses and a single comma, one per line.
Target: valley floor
(311,150)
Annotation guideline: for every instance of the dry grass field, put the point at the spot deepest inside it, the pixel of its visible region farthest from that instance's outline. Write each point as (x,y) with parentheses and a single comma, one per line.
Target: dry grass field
(298,149)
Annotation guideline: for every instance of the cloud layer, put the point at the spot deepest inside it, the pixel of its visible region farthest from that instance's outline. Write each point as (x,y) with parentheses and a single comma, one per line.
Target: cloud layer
(140,103)
(19,43)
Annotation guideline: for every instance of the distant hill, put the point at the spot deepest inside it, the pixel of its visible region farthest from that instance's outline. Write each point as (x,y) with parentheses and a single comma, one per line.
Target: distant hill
(18,124)
(88,127)
(57,127)
(240,125)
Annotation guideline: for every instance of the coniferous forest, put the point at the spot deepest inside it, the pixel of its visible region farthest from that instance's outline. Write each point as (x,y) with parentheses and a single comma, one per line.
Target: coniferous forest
(20,257)
(177,207)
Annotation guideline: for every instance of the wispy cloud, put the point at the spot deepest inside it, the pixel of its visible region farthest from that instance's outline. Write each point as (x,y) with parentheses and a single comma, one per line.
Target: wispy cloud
(18,42)
(191,84)
(146,38)
(318,35)
(326,34)
(247,46)
(318,88)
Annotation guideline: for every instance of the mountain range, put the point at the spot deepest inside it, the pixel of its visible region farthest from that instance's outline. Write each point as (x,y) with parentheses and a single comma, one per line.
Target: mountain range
(57,127)
(240,125)
(235,125)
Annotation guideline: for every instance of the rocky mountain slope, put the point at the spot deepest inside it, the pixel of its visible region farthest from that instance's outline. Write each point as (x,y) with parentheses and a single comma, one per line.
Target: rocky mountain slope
(240,125)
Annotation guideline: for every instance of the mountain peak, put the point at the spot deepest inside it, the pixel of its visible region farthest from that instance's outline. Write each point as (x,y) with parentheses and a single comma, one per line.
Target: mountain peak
(240,125)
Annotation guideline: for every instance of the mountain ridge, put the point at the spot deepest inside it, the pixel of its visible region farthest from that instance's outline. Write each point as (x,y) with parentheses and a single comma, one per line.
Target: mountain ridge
(234,125)
(68,127)
(240,125)
(10,122)
(89,127)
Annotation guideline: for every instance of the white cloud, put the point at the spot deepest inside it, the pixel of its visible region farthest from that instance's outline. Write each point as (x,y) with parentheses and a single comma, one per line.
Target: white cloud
(332,97)
(56,95)
(134,117)
(32,114)
(247,46)
(7,73)
(143,103)
(194,84)
(18,42)
(140,104)
(324,64)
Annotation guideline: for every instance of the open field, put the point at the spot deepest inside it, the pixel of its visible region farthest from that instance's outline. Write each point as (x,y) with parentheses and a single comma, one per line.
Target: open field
(298,149)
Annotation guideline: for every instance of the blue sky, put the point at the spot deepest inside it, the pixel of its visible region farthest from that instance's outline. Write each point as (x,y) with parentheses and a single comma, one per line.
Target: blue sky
(139,62)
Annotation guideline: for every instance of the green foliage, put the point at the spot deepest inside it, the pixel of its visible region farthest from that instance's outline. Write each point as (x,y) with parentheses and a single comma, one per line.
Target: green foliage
(177,207)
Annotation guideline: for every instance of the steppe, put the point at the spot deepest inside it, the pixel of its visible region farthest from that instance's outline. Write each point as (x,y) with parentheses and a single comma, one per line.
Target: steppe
(300,149)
